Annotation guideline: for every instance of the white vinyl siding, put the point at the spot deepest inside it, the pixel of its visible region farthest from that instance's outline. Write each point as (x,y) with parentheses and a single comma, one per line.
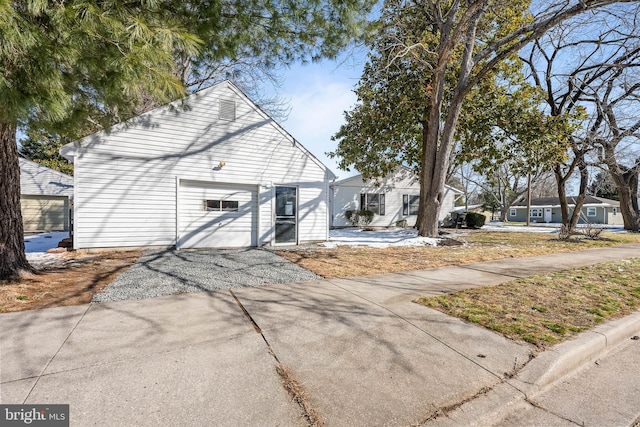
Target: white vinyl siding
(127,195)
(346,195)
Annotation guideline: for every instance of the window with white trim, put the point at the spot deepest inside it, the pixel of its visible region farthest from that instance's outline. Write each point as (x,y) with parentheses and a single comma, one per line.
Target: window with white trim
(535,213)
(513,212)
(591,212)
(410,204)
(221,205)
(372,202)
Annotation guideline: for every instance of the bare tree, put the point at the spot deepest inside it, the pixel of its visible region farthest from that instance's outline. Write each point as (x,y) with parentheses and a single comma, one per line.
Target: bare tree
(573,67)
(618,136)
(463,45)
(505,185)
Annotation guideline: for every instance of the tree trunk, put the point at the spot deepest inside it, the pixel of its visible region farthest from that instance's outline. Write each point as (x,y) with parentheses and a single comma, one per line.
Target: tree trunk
(529,199)
(503,213)
(627,184)
(562,195)
(13,259)
(570,222)
(582,194)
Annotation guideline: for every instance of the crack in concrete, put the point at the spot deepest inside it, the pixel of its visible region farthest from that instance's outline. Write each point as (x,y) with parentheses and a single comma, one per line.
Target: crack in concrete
(542,408)
(42,372)
(445,410)
(297,392)
(469,267)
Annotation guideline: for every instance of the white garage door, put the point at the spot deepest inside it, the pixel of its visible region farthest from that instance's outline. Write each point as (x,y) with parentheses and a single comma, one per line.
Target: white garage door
(45,213)
(213,215)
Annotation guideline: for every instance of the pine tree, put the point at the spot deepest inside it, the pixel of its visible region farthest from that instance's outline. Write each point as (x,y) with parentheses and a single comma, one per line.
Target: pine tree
(81,65)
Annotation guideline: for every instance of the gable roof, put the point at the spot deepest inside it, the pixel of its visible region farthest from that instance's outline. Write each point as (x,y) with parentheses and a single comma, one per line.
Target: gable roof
(36,179)
(357,179)
(68,151)
(555,202)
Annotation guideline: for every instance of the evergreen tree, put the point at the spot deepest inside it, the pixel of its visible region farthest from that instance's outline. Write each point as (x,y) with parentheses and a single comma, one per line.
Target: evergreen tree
(603,186)
(79,65)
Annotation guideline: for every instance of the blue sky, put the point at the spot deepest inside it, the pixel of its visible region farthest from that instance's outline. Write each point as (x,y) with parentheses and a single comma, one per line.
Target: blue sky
(319,93)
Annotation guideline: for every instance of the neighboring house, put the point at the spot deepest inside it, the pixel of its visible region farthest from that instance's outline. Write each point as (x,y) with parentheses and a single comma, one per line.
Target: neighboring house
(392,199)
(209,171)
(44,197)
(596,210)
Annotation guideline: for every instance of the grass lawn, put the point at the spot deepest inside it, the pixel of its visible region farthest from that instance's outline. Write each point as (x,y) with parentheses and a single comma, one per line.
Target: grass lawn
(345,261)
(544,310)
(540,310)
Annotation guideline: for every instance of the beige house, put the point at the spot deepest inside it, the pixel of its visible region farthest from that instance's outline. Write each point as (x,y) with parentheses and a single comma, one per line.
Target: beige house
(45,196)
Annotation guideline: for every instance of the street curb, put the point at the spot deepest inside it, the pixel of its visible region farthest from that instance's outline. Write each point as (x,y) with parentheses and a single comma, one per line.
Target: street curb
(566,358)
(542,373)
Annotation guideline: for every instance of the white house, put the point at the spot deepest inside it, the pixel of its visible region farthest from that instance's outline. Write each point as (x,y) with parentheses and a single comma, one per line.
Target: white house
(209,171)
(392,199)
(44,197)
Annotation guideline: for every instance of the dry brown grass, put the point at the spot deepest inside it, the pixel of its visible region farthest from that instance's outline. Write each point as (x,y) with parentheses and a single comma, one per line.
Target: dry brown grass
(478,246)
(72,284)
(544,310)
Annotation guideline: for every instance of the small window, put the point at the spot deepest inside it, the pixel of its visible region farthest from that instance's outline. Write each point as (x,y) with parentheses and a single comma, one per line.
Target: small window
(212,205)
(591,212)
(410,204)
(512,212)
(227,110)
(373,202)
(221,205)
(230,205)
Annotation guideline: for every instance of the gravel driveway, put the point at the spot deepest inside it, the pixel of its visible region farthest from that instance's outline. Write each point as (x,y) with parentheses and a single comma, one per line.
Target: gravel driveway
(167,272)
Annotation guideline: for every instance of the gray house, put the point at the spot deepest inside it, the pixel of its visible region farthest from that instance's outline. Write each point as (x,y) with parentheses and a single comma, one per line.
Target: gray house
(44,197)
(596,210)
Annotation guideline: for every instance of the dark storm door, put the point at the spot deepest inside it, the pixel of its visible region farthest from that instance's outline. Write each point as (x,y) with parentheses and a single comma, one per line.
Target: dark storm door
(286,215)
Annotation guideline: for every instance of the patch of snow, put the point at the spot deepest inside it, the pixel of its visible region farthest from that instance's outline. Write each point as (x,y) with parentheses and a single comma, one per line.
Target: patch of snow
(44,241)
(37,245)
(378,239)
(384,238)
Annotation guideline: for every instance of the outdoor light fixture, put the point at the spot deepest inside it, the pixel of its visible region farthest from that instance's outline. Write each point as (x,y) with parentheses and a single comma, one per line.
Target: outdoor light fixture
(221,165)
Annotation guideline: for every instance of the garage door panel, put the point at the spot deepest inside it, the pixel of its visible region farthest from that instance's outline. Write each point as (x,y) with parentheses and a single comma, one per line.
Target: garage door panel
(228,220)
(45,213)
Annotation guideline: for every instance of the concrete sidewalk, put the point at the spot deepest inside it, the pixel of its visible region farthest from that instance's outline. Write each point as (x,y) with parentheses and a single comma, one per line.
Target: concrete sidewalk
(358,350)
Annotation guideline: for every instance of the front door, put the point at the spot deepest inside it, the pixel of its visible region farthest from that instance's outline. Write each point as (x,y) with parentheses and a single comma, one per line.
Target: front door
(286,215)
(547,215)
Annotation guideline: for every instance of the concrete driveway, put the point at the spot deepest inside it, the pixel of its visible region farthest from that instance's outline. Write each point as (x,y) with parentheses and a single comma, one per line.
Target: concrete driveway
(340,352)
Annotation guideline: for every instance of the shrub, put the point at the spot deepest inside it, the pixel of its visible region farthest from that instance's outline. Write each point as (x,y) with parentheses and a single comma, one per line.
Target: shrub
(475,220)
(401,223)
(359,218)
